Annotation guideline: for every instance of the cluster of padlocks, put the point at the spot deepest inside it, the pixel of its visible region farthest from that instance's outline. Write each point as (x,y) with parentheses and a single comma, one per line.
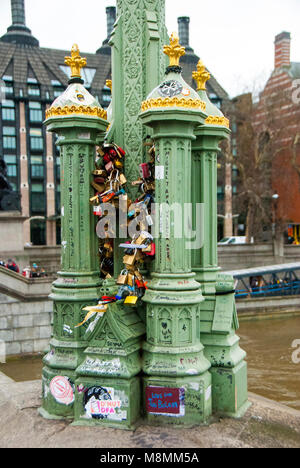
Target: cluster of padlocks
(109,184)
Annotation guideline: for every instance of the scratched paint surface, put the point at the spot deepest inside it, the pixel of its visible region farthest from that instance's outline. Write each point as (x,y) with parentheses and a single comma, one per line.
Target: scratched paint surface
(268,343)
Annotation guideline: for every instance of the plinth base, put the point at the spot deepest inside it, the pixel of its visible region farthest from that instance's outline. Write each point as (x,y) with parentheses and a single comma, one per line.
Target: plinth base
(58,391)
(109,402)
(183,402)
(229,390)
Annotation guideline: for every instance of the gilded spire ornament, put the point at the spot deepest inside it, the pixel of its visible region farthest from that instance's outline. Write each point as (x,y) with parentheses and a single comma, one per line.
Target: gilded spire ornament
(75,62)
(109,84)
(174,50)
(201,76)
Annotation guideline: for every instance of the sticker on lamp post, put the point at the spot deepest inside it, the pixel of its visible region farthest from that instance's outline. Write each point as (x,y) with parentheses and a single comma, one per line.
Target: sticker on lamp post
(165,401)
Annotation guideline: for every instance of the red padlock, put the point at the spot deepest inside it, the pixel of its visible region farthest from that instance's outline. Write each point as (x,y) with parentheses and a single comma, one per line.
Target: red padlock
(145,172)
(112,154)
(120,151)
(97,210)
(152,252)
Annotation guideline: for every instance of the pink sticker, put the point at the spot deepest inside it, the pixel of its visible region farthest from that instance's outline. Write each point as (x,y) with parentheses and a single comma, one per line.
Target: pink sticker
(61,390)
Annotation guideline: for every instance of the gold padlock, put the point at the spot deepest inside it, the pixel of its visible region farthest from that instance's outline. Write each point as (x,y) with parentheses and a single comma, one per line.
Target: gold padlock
(130,279)
(130,259)
(97,187)
(122,278)
(100,173)
(118,164)
(122,179)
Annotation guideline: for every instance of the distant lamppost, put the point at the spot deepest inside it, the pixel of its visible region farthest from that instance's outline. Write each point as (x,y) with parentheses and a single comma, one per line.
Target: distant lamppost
(275,199)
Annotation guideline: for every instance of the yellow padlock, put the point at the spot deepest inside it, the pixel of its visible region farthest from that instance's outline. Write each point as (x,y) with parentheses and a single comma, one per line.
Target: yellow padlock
(131,300)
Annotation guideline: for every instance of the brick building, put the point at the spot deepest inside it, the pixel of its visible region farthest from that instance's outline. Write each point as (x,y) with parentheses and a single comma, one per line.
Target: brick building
(276,122)
(32,78)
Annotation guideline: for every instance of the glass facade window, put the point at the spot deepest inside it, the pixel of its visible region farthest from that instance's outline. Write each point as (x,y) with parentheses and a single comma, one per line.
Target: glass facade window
(36,139)
(87,74)
(8,110)
(8,88)
(38,198)
(12,169)
(35,112)
(9,138)
(58,91)
(235,172)
(37,167)
(106,97)
(220,192)
(38,232)
(34,90)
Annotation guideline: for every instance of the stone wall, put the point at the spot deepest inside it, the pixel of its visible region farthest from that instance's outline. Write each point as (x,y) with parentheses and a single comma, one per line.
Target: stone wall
(25,327)
(238,257)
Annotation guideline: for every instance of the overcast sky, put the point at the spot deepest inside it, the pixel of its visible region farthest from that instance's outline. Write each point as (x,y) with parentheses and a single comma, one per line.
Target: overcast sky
(235,38)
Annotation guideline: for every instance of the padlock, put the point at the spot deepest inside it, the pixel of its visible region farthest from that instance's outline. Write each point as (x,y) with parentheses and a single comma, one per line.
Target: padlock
(97,187)
(137,182)
(122,279)
(139,284)
(152,251)
(138,275)
(100,151)
(122,179)
(100,173)
(149,186)
(145,171)
(99,180)
(109,167)
(130,279)
(130,259)
(131,300)
(97,210)
(118,164)
(123,292)
(121,153)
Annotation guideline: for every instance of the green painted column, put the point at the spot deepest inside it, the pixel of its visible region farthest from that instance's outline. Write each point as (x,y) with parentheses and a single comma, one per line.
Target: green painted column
(78,120)
(138,65)
(218,315)
(177,385)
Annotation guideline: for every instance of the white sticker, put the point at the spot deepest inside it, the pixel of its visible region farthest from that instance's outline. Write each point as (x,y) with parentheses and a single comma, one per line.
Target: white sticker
(84,136)
(159,172)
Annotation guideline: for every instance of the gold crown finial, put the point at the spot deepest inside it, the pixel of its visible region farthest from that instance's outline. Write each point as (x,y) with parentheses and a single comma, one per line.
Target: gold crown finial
(174,50)
(109,84)
(201,76)
(75,62)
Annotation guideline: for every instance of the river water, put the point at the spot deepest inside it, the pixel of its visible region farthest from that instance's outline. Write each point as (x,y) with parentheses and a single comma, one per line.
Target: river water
(271,371)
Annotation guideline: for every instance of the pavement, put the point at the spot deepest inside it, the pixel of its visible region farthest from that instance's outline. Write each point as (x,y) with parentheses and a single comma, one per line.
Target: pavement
(267,424)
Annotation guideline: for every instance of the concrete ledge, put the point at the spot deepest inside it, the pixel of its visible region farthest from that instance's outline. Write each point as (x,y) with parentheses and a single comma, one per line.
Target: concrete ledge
(267,424)
(268,307)
(15,285)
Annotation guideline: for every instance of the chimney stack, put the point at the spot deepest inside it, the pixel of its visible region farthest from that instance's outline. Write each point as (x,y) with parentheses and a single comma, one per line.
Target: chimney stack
(283,50)
(111,15)
(111,19)
(184,30)
(18,12)
(18,33)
